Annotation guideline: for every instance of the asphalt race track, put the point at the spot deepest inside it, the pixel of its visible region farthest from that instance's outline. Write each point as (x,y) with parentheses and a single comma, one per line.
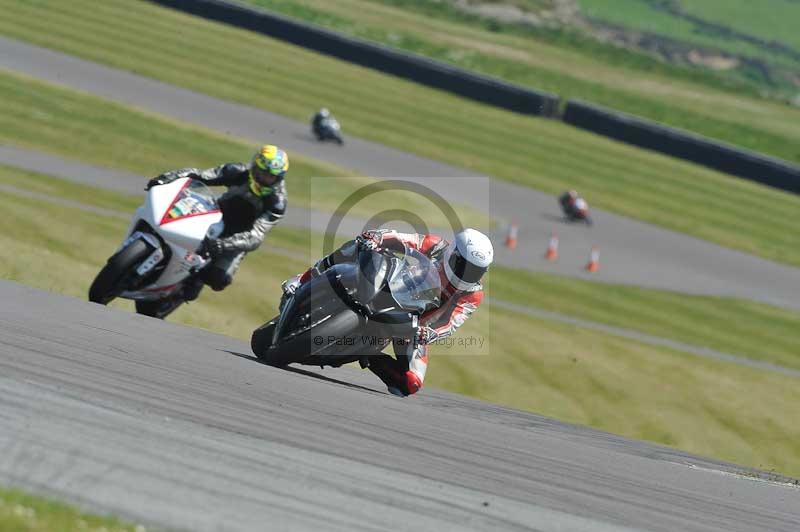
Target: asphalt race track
(176,427)
(631,252)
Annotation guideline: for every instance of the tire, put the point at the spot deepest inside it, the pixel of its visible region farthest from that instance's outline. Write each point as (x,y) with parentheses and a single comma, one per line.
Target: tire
(110,282)
(262,338)
(299,348)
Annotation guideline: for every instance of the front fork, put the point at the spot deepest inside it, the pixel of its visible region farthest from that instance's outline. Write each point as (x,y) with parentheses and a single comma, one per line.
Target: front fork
(155,257)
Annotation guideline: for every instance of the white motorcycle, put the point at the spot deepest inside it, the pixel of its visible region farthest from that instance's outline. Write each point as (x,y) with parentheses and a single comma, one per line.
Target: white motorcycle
(163,249)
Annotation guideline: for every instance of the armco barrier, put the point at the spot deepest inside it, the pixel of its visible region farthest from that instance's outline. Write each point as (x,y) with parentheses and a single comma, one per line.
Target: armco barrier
(416,68)
(708,152)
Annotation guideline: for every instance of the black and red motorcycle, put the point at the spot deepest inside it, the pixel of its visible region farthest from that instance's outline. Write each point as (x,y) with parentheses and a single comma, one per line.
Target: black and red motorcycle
(352,310)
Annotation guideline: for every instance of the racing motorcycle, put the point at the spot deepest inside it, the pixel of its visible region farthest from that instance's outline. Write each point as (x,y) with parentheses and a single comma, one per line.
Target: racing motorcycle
(352,310)
(163,249)
(329,129)
(576,210)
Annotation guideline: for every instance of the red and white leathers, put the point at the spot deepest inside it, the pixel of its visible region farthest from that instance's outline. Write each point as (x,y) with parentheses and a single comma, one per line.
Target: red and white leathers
(573,204)
(405,374)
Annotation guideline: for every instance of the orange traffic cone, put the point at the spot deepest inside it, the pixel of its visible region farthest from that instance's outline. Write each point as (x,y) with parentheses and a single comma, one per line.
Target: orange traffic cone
(594,260)
(552,247)
(511,238)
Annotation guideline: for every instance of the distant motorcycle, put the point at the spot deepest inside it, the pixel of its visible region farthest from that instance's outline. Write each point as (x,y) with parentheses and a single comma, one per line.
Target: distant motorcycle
(163,248)
(352,310)
(575,209)
(329,129)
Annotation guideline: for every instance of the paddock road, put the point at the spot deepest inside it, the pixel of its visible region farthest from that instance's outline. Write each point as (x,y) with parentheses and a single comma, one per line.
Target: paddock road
(631,252)
(177,427)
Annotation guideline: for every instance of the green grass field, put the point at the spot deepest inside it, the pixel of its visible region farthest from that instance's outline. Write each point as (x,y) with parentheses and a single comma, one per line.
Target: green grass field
(663,93)
(20,511)
(770,20)
(712,408)
(775,20)
(730,325)
(539,153)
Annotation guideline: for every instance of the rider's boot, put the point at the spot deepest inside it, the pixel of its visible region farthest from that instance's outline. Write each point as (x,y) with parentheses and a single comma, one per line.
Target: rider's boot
(391,371)
(191,288)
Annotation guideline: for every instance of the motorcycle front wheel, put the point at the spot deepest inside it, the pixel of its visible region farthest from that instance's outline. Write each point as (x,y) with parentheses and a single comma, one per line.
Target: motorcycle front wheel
(113,278)
(261,339)
(306,344)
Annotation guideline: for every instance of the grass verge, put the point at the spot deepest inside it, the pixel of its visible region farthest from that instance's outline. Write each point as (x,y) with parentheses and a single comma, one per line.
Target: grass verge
(20,511)
(731,325)
(543,154)
(712,408)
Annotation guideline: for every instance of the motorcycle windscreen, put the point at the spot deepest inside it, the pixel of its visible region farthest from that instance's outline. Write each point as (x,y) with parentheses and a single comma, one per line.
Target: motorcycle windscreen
(187,219)
(194,199)
(373,269)
(415,284)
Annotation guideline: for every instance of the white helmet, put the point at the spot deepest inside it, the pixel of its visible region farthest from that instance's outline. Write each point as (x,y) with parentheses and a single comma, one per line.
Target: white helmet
(468,258)
(324,113)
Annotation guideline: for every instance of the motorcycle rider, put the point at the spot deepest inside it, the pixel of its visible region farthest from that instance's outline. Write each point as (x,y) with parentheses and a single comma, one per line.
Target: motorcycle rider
(316,122)
(253,204)
(461,265)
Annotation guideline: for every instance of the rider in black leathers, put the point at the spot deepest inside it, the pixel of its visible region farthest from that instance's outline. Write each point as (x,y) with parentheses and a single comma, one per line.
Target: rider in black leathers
(320,117)
(253,204)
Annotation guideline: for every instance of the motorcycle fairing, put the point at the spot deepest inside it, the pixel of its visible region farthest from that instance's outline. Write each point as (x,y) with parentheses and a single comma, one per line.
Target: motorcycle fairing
(315,301)
(363,287)
(182,213)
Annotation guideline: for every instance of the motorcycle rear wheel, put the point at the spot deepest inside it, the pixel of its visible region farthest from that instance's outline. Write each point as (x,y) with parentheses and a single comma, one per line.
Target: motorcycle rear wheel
(112,279)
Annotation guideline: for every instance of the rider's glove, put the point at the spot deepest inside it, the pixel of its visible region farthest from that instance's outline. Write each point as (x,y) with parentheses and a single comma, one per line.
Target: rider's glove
(371,239)
(290,285)
(154,182)
(425,335)
(163,179)
(213,247)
